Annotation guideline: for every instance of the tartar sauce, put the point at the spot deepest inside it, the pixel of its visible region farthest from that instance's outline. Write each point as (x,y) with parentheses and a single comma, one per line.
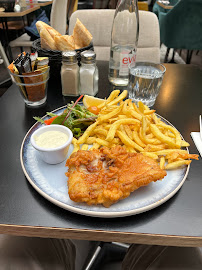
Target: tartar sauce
(51,139)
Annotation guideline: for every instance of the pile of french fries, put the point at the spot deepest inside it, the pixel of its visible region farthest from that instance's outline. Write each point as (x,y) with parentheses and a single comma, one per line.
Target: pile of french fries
(138,129)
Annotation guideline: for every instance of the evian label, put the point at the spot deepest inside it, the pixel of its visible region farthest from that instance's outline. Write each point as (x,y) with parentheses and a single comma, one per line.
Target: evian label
(125,60)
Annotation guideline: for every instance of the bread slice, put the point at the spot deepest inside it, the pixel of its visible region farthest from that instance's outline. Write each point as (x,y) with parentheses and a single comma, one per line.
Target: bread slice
(82,37)
(64,43)
(52,31)
(40,25)
(47,42)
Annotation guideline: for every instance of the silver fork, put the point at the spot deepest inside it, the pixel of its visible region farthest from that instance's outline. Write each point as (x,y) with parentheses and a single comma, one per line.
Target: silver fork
(200,126)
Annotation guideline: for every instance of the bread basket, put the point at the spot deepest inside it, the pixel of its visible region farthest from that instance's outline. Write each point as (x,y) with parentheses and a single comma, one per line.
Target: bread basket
(55,57)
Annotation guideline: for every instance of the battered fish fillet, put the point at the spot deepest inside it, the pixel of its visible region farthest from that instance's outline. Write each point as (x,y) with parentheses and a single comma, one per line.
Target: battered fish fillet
(106,176)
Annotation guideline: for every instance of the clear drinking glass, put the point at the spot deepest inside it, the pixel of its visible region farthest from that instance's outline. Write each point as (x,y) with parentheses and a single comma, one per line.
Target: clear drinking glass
(33,86)
(145,80)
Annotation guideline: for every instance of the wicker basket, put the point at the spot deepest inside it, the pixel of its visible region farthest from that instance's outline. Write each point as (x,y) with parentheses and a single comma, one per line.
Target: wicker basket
(55,57)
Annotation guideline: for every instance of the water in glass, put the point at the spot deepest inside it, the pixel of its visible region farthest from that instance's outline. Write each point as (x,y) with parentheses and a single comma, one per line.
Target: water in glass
(144,84)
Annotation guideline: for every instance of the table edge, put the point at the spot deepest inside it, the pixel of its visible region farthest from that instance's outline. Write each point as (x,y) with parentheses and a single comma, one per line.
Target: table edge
(20,13)
(104,236)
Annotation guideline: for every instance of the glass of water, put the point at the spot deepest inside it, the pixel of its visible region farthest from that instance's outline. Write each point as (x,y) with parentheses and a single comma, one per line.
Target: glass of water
(145,80)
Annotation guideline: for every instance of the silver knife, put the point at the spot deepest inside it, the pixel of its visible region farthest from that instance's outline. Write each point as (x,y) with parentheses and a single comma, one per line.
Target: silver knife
(200,126)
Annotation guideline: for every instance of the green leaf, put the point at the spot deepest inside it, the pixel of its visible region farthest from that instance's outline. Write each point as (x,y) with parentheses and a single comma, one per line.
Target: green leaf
(51,114)
(38,119)
(59,119)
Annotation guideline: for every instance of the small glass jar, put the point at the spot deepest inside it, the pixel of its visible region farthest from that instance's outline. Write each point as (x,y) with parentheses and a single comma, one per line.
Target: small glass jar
(88,73)
(70,74)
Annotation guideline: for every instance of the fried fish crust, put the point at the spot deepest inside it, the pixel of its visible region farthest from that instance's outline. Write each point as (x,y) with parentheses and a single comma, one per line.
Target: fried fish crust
(106,176)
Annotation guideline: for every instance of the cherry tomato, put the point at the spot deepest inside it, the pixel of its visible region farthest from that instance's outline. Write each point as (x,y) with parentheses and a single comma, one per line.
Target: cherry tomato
(94,109)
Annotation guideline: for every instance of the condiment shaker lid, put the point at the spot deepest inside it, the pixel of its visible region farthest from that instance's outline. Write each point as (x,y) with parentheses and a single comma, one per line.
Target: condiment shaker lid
(69,56)
(88,57)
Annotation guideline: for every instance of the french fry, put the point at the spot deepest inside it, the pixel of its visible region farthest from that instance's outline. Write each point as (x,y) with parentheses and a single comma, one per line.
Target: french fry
(138,129)
(127,141)
(137,139)
(125,107)
(143,130)
(128,131)
(114,94)
(133,112)
(162,162)
(102,142)
(75,144)
(84,147)
(130,149)
(163,138)
(87,133)
(112,120)
(174,131)
(155,118)
(141,107)
(119,98)
(151,155)
(177,164)
(95,146)
(101,131)
(90,140)
(154,148)
(167,151)
(117,124)
(184,144)
(174,156)
(137,109)
(109,115)
(149,112)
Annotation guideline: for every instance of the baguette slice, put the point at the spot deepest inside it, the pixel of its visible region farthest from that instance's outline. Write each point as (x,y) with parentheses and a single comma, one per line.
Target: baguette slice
(42,25)
(82,37)
(47,42)
(64,43)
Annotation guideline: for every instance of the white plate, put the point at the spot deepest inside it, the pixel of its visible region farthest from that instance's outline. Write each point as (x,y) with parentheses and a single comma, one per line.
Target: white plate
(50,181)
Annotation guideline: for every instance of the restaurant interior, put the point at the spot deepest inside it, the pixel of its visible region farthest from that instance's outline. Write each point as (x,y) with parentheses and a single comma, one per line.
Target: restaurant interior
(176,38)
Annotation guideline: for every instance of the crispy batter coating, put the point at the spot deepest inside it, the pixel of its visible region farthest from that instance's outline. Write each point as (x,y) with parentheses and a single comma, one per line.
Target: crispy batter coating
(106,176)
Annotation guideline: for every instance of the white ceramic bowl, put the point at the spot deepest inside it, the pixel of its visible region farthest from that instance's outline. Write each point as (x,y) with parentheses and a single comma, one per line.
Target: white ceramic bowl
(53,155)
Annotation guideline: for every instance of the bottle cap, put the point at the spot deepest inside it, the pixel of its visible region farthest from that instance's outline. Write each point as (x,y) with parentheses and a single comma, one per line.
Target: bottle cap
(88,57)
(69,56)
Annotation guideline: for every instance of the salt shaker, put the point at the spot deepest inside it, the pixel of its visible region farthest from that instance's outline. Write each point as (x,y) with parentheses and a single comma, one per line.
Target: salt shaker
(88,73)
(70,74)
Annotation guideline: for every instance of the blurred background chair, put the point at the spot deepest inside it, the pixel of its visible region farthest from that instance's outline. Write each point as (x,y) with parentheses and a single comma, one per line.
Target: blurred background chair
(58,20)
(159,9)
(180,27)
(99,23)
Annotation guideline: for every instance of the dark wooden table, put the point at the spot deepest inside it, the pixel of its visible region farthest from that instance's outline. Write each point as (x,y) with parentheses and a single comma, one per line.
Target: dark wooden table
(23,211)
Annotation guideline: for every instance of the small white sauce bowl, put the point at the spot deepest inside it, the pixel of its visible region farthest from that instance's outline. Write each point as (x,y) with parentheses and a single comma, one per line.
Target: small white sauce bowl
(53,155)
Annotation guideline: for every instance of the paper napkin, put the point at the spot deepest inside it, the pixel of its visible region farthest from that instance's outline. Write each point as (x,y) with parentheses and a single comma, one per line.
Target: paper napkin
(197,140)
